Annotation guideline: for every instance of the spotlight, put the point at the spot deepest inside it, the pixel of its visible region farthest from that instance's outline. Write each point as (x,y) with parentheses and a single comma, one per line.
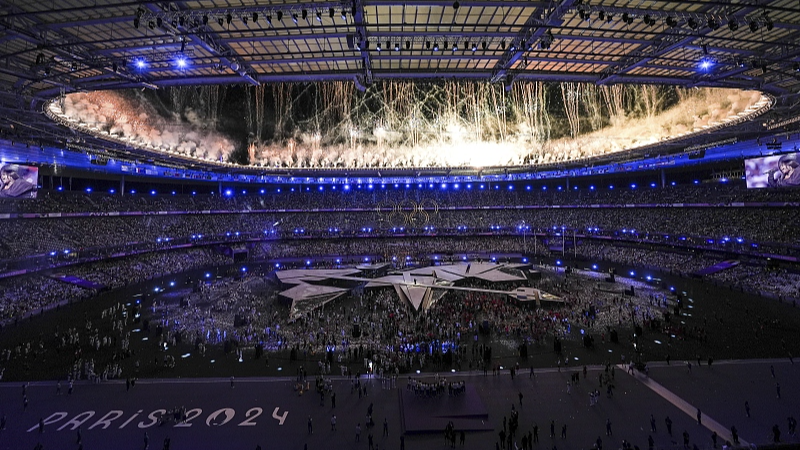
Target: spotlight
(706,63)
(435,47)
(474,47)
(205,19)
(484,45)
(136,21)
(159,22)
(304,13)
(378,46)
(140,64)
(331,13)
(733,25)
(294,18)
(397,47)
(753,26)
(181,63)
(671,22)
(408,45)
(319,17)
(255,17)
(279,15)
(796,67)
(704,47)
(712,23)
(692,23)
(228,18)
(601,15)
(456,5)
(768,23)
(455,47)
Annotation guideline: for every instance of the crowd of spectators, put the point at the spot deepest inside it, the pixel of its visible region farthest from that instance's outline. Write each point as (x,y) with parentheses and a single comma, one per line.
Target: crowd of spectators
(363,196)
(736,228)
(22,295)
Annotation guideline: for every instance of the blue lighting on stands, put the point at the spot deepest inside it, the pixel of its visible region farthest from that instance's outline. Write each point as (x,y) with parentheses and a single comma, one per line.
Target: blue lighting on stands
(482,186)
(633,185)
(594,266)
(444,185)
(228,193)
(208,275)
(88,190)
(261,191)
(527,188)
(60,188)
(652,185)
(346,187)
(154,193)
(696,181)
(141,64)
(181,63)
(112,191)
(611,187)
(591,188)
(558,262)
(633,273)
(510,187)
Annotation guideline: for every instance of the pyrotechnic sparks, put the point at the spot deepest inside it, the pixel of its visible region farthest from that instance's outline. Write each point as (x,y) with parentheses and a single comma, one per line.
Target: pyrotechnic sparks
(406,125)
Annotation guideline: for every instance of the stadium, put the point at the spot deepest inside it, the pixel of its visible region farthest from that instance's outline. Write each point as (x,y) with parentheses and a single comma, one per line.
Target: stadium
(463,219)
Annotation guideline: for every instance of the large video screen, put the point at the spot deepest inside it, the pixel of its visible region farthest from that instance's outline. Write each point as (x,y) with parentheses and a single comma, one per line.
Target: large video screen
(773,171)
(18,181)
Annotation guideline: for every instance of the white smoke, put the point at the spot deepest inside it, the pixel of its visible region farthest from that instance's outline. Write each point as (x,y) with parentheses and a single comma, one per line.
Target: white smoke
(139,124)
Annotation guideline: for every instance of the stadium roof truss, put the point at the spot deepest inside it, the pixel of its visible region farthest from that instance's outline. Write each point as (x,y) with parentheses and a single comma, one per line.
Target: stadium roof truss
(70,45)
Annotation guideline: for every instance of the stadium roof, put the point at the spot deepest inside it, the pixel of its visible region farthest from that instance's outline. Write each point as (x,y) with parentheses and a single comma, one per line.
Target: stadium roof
(102,44)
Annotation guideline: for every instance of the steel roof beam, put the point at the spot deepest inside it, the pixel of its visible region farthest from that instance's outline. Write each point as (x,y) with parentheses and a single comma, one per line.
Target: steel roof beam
(360,39)
(663,46)
(535,27)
